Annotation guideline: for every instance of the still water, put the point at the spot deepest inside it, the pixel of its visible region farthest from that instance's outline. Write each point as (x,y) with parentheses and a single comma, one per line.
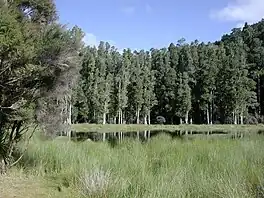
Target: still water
(147,135)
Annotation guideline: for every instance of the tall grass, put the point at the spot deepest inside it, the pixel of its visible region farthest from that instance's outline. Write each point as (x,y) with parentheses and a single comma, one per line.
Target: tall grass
(159,168)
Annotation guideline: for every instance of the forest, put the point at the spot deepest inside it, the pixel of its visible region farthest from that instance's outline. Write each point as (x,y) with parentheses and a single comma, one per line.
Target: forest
(218,82)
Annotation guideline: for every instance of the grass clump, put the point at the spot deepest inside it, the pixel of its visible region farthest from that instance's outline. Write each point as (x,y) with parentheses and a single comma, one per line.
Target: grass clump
(161,167)
(95,183)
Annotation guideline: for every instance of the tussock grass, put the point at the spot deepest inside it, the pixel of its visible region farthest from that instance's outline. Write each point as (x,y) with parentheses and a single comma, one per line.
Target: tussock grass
(162,167)
(95,182)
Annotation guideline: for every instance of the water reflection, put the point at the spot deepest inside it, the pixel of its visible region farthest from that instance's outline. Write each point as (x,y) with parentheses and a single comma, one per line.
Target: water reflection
(143,136)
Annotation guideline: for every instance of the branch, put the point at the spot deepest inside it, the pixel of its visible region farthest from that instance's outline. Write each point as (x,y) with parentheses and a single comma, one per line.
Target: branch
(14,106)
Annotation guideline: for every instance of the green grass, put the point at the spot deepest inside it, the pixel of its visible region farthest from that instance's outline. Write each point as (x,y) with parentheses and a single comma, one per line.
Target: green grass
(141,127)
(159,168)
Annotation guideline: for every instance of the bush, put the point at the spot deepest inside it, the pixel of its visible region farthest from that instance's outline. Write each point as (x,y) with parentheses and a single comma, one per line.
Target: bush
(261,119)
(251,120)
(161,119)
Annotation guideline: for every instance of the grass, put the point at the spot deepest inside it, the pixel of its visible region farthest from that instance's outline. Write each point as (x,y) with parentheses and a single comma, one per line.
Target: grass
(159,168)
(141,127)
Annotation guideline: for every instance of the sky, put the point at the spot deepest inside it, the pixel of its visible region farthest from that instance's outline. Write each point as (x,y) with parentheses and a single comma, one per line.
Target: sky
(145,24)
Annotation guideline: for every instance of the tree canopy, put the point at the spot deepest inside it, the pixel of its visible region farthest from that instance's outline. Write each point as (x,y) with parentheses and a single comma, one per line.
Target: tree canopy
(197,82)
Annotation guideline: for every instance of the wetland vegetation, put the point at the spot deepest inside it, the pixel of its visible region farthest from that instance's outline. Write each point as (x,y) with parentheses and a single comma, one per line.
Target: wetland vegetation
(215,165)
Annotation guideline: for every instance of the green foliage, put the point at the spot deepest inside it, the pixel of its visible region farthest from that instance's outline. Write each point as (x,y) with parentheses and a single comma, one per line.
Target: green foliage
(200,82)
(39,66)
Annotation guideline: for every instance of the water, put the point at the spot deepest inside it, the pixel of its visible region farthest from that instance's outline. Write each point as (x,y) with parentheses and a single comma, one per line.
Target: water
(144,136)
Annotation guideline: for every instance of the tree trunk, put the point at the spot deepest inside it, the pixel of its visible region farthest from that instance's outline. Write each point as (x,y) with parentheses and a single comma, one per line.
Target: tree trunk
(207,115)
(137,114)
(149,117)
(211,108)
(94,116)
(138,135)
(186,117)
(145,120)
(115,120)
(211,113)
(104,118)
(180,120)
(241,118)
(118,114)
(191,121)
(235,118)
(121,117)
(69,118)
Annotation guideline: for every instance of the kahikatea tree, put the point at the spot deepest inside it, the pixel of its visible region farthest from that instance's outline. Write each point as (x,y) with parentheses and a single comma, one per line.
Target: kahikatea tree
(220,82)
(148,89)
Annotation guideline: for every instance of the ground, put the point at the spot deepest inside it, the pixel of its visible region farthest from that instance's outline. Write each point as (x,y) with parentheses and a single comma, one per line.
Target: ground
(16,184)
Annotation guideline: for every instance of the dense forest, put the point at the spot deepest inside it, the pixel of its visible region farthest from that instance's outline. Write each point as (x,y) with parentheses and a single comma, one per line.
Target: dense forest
(200,83)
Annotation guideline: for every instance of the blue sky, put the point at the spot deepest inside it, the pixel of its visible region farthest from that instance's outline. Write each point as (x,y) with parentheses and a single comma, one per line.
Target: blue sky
(142,24)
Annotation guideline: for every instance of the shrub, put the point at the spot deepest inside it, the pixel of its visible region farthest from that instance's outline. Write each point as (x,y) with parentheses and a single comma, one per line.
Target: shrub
(161,119)
(251,120)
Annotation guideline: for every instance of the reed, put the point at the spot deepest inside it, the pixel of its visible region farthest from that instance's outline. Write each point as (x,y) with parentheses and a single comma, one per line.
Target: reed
(162,167)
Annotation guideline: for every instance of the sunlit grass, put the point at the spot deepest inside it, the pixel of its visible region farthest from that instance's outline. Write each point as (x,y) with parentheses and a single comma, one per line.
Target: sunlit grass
(159,168)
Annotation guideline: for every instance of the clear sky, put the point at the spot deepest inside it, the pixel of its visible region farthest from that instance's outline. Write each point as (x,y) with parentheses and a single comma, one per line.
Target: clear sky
(142,24)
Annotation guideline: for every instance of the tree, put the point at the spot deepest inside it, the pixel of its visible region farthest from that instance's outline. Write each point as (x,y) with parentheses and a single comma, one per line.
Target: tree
(135,88)
(148,89)
(88,83)
(206,78)
(37,58)
(122,82)
(185,72)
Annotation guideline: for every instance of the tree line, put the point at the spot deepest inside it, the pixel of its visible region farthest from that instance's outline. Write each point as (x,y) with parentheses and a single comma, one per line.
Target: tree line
(197,82)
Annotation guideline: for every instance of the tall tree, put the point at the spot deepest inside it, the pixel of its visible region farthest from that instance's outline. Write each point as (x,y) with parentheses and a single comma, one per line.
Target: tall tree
(148,88)
(206,77)
(185,72)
